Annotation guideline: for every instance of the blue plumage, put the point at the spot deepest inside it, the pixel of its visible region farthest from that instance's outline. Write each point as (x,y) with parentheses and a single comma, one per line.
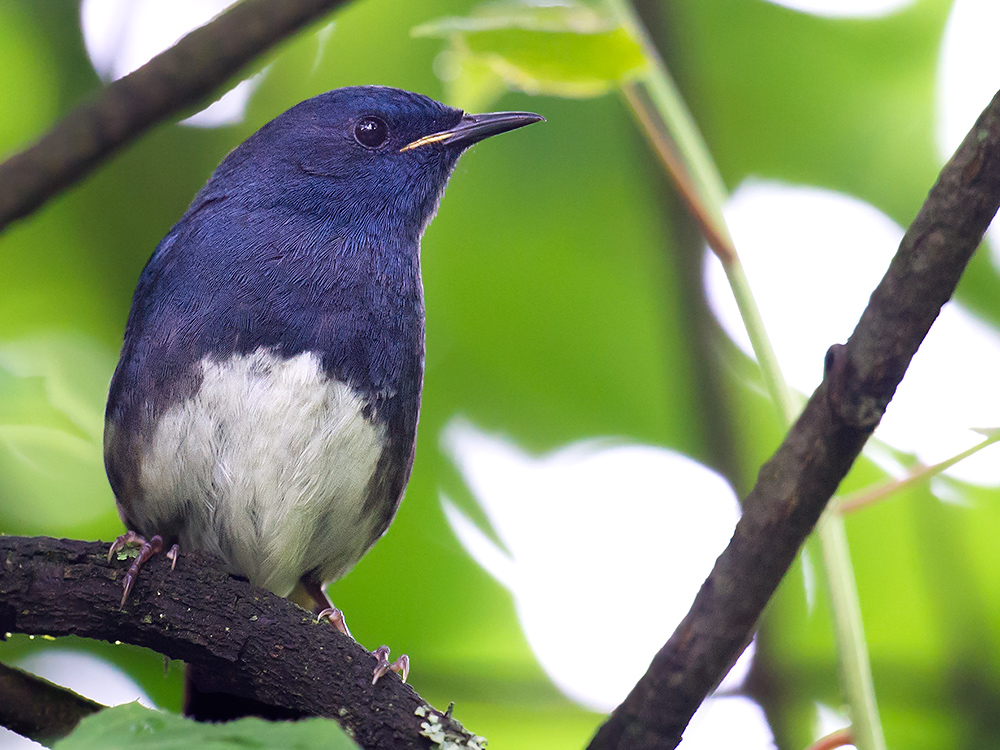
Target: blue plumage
(265,404)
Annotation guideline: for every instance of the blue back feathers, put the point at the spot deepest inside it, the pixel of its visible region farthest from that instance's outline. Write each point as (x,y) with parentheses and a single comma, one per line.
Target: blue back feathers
(303,239)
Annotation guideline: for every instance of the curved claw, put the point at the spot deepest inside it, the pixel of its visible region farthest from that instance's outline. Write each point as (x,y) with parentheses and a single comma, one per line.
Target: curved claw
(336,618)
(147,550)
(172,554)
(401,666)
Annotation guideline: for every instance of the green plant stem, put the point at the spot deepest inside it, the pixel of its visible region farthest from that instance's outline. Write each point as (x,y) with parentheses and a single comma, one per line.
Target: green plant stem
(669,103)
(788,402)
(871,495)
(866,727)
(678,141)
(717,235)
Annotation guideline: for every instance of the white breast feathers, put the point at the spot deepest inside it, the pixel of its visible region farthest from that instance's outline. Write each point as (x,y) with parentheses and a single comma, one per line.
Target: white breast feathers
(269,463)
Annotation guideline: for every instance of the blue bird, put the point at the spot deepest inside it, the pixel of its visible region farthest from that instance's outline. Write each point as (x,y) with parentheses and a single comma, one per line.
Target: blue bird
(265,405)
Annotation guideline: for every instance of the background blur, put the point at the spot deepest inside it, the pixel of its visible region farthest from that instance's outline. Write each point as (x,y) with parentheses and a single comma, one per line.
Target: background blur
(589,415)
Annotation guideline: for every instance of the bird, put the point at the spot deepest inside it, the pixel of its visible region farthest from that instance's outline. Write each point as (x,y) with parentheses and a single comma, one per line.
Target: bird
(264,407)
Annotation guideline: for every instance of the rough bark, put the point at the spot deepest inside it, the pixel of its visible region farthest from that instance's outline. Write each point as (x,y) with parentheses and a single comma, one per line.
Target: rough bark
(257,645)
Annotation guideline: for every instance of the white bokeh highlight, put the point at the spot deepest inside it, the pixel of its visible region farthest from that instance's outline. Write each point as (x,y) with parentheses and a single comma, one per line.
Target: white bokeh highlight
(87,675)
(122,35)
(812,258)
(968,78)
(968,70)
(845,8)
(10,740)
(728,723)
(829,720)
(600,540)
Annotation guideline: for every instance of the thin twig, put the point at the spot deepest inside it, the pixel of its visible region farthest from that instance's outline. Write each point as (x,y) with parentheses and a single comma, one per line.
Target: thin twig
(871,495)
(638,100)
(840,738)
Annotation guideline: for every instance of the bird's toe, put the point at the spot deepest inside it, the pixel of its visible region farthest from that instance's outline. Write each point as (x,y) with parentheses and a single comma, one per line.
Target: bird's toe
(335,618)
(401,666)
(146,550)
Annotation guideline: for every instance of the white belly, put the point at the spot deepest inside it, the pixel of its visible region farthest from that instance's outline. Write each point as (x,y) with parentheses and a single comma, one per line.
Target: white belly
(269,463)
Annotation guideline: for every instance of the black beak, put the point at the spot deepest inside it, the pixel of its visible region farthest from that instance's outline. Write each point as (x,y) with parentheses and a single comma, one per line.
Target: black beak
(474,128)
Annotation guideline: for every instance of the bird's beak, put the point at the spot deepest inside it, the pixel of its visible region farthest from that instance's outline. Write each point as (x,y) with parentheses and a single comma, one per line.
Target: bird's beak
(473,128)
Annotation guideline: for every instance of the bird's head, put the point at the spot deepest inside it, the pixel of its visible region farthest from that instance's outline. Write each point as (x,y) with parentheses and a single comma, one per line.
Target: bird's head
(370,154)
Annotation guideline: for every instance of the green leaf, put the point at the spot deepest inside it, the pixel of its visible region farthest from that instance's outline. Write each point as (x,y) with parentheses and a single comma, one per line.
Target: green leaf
(136,727)
(567,50)
(571,17)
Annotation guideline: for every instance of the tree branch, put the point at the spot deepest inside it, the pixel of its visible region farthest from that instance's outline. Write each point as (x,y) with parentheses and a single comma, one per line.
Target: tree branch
(37,709)
(170,83)
(256,645)
(794,486)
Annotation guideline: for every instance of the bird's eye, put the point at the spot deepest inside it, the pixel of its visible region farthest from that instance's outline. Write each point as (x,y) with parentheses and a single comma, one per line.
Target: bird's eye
(371,132)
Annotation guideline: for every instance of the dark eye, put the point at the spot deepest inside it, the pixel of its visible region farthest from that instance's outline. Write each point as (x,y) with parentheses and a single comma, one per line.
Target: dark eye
(371,132)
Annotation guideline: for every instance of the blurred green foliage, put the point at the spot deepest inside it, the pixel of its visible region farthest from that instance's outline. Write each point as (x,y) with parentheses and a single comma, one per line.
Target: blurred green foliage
(563,302)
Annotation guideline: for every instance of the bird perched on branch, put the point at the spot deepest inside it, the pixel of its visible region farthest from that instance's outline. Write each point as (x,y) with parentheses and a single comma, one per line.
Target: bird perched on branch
(265,405)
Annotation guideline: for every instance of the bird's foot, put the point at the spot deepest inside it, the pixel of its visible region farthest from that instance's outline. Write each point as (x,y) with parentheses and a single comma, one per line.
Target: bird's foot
(146,550)
(401,666)
(335,618)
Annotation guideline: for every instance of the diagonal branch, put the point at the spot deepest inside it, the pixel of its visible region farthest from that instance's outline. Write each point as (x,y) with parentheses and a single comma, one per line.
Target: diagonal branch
(37,709)
(253,644)
(170,83)
(794,486)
